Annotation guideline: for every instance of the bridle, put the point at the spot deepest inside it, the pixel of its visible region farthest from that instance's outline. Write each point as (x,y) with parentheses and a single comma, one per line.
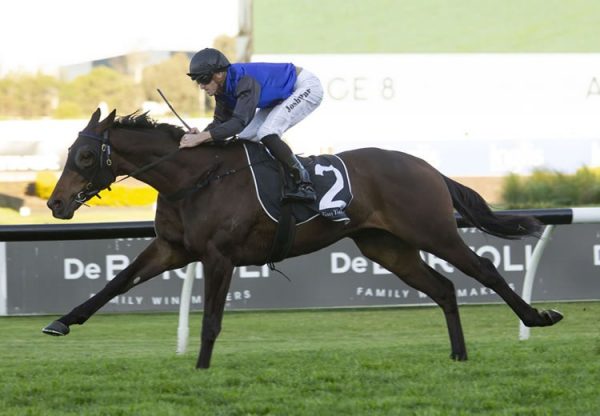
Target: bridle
(101,175)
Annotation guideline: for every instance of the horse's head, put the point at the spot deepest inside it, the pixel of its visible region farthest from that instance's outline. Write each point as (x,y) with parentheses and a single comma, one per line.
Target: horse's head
(88,169)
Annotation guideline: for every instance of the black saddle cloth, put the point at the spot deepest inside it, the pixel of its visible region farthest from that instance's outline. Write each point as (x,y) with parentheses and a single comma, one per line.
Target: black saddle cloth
(329,177)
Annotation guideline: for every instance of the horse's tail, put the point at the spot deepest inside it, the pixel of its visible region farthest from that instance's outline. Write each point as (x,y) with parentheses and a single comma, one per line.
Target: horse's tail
(476,211)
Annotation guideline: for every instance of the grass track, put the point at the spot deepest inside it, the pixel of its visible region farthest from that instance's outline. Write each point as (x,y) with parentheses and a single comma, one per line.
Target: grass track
(383,361)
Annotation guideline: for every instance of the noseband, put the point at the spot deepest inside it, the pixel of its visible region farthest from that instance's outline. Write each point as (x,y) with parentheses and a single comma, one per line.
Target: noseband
(102,175)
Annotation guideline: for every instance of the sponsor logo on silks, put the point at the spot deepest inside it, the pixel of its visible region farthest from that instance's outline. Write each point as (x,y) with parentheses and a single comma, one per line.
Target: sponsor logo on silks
(298,99)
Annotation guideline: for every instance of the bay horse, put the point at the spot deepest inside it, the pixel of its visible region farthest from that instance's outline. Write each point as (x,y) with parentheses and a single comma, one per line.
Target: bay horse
(401,206)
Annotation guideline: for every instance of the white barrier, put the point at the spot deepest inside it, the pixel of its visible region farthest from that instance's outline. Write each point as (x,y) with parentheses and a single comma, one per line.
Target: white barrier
(578,216)
(524,331)
(183,329)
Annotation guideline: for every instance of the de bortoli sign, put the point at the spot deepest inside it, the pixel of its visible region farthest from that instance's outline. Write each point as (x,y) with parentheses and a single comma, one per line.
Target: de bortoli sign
(53,277)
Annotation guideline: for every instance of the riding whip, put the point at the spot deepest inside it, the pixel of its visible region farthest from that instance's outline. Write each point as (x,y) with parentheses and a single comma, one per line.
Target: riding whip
(172,109)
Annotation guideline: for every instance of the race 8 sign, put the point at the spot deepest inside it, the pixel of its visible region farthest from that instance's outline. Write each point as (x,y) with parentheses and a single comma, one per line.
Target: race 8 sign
(360,88)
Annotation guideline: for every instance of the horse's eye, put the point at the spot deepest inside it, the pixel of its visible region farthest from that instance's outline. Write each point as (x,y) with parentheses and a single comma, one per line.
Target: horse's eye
(84,158)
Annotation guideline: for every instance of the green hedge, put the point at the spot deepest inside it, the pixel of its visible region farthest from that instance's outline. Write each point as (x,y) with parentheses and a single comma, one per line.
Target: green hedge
(550,189)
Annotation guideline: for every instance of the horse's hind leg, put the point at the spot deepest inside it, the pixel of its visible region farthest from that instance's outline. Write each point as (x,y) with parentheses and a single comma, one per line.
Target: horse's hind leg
(404,261)
(450,312)
(484,271)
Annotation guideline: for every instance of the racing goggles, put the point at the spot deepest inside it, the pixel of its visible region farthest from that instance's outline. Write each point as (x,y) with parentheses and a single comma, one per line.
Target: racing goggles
(203,78)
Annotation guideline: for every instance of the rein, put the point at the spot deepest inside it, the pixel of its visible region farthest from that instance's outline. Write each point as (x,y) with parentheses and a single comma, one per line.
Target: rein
(104,170)
(149,166)
(209,177)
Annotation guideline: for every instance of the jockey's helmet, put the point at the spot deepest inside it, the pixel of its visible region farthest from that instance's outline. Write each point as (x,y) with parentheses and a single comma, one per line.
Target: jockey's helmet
(206,63)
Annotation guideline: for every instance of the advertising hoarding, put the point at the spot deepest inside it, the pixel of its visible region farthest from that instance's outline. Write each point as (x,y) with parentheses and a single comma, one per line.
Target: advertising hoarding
(52,277)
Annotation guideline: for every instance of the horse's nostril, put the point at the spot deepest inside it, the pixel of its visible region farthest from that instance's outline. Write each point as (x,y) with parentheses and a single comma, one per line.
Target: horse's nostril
(54,204)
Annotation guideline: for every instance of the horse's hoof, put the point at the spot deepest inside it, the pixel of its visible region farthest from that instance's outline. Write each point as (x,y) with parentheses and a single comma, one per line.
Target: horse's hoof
(552,316)
(458,356)
(57,329)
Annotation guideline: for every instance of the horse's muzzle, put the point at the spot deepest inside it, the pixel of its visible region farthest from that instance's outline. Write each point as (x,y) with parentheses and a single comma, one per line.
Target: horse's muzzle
(62,210)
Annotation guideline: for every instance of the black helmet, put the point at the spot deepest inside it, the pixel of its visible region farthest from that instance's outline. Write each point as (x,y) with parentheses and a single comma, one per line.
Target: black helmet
(206,63)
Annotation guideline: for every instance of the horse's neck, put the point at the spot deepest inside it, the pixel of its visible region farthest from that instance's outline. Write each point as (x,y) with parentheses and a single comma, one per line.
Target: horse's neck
(136,149)
(177,170)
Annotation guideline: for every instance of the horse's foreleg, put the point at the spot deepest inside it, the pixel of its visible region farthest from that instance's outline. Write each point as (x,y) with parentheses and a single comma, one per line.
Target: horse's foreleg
(405,262)
(158,257)
(217,278)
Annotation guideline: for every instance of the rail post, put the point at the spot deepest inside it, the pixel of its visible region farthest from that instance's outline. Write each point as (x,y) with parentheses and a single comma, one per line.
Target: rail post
(183,330)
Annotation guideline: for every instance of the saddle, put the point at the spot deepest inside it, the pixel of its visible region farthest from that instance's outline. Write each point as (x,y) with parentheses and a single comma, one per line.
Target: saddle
(328,174)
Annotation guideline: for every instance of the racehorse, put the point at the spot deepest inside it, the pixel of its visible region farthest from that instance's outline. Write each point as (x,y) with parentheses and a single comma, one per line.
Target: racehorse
(401,206)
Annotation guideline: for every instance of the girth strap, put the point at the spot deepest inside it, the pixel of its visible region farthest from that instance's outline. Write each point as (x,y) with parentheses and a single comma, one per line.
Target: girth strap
(284,234)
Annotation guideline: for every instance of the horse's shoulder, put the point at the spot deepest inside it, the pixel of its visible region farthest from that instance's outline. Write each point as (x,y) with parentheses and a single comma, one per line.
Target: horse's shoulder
(167,221)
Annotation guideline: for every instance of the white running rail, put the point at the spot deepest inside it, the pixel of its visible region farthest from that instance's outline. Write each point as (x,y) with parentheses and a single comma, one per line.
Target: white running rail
(578,216)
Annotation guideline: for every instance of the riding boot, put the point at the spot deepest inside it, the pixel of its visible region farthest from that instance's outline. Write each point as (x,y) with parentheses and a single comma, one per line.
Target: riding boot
(304,190)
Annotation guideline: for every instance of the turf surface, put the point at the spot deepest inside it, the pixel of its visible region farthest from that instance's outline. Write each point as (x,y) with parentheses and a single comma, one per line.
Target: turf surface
(374,361)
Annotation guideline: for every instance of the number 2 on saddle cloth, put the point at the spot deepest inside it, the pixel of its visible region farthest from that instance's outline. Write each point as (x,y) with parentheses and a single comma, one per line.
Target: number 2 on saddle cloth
(330,180)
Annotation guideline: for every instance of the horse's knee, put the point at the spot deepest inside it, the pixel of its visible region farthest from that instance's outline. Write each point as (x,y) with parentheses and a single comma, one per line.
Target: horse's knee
(120,283)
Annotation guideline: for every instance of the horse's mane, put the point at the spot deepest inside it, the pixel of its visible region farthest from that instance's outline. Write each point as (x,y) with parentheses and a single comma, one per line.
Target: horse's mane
(139,120)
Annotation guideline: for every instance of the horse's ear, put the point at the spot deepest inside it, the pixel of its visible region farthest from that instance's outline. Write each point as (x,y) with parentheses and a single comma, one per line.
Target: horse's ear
(94,119)
(107,122)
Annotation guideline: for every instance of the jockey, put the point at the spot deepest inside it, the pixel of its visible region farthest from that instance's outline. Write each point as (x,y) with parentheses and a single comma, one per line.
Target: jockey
(257,102)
